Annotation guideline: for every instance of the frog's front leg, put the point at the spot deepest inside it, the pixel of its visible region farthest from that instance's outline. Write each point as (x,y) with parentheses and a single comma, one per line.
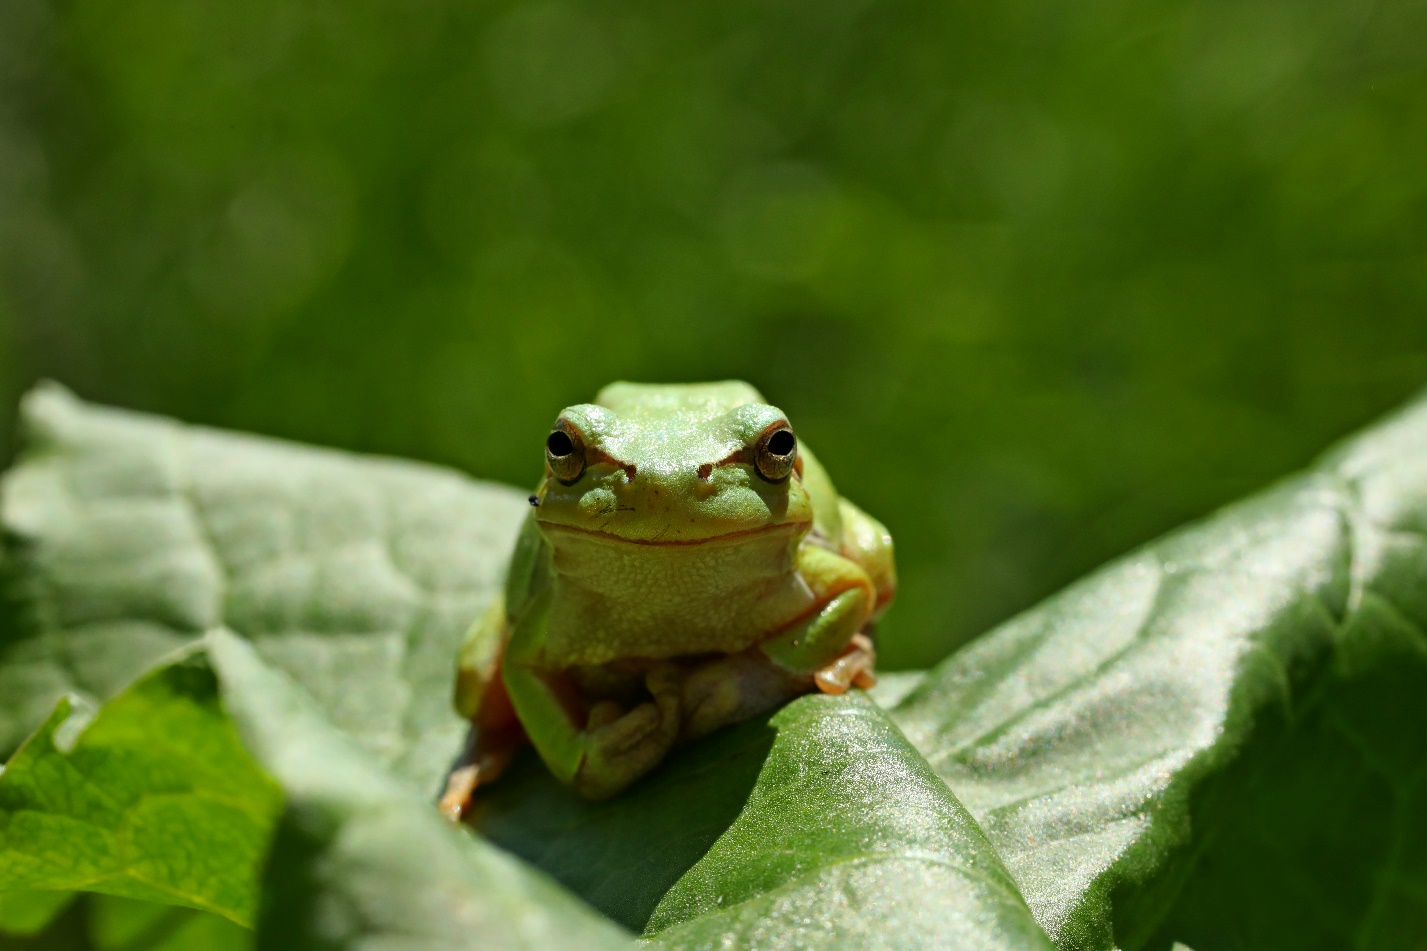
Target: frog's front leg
(826,650)
(598,751)
(830,645)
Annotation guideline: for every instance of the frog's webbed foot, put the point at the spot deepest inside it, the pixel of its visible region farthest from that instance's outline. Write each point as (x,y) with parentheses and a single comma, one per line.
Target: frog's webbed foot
(620,746)
(852,668)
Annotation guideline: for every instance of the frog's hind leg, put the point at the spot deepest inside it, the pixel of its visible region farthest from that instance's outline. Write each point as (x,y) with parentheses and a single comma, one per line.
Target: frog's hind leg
(493,738)
(495,733)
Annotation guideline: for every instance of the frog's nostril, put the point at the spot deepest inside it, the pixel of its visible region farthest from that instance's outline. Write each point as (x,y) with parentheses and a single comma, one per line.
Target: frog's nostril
(630,472)
(705,471)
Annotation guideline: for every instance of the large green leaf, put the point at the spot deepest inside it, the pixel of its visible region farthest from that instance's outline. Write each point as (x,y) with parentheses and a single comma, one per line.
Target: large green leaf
(624,854)
(1195,744)
(130,535)
(159,800)
(155,799)
(1221,730)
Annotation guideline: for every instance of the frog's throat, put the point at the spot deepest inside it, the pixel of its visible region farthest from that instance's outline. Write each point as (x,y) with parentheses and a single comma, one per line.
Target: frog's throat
(613,597)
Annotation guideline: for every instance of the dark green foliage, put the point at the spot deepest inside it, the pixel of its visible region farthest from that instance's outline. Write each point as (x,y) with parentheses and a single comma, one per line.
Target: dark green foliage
(1039,281)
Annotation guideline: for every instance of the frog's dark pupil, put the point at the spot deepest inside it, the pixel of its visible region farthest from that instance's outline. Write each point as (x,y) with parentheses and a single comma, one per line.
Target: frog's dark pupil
(559,444)
(781,443)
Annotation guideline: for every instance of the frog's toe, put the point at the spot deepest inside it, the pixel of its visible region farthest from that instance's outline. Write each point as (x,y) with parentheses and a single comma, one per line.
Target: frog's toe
(602,714)
(467,777)
(710,698)
(460,787)
(626,731)
(620,751)
(853,667)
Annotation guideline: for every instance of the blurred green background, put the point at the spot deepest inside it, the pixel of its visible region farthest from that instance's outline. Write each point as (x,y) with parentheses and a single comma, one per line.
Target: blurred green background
(1039,280)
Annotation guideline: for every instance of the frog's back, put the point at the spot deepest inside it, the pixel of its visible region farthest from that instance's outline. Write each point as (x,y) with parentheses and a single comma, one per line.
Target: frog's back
(653,400)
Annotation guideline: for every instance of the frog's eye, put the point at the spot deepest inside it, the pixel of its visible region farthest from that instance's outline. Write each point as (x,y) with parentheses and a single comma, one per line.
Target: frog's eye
(565,453)
(775,454)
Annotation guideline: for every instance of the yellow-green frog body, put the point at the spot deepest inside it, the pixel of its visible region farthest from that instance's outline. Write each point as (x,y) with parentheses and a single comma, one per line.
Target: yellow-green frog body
(686,564)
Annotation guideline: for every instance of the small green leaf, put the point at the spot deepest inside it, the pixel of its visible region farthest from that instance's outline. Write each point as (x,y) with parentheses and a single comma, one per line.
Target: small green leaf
(121,924)
(359,860)
(129,535)
(107,923)
(155,799)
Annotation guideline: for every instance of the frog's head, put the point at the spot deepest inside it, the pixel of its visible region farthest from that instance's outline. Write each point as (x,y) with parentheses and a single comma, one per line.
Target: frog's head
(659,464)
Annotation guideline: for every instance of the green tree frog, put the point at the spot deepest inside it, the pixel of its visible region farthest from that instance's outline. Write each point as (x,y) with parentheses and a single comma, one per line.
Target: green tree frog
(686,564)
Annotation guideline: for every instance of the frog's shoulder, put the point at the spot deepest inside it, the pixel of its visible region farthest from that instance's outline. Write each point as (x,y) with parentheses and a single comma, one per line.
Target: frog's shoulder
(676,399)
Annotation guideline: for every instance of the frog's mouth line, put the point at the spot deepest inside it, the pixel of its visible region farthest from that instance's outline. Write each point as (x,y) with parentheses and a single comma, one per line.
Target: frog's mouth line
(736,536)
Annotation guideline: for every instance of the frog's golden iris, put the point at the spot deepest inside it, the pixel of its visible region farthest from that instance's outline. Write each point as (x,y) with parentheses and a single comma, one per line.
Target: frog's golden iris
(686,564)
(776,454)
(565,455)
